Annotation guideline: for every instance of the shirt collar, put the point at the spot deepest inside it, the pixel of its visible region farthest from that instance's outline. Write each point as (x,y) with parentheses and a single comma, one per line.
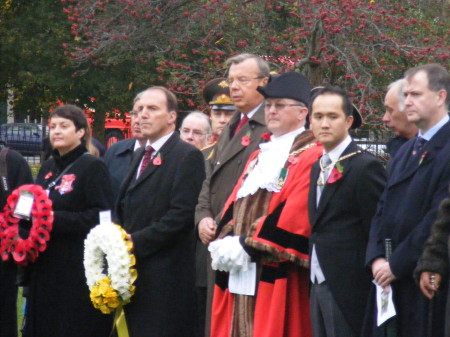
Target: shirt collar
(159,143)
(430,133)
(336,153)
(293,134)
(251,113)
(137,145)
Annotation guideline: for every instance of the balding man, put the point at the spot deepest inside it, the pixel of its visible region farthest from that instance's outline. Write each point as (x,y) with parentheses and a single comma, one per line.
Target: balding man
(395,117)
(119,155)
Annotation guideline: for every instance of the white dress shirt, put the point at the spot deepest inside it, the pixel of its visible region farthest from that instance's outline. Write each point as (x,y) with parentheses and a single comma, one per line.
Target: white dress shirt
(317,275)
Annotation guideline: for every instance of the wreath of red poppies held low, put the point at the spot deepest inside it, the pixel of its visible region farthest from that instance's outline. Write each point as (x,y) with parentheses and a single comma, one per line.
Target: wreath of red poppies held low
(26,250)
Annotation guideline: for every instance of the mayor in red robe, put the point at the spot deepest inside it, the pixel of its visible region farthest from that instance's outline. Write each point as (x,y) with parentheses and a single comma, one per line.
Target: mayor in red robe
(264,230)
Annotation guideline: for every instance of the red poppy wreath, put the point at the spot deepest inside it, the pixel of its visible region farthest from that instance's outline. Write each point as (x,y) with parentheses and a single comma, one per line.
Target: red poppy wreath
(26,250)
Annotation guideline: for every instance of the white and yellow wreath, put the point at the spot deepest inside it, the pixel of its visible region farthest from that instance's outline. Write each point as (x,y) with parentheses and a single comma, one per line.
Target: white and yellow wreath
(110,284)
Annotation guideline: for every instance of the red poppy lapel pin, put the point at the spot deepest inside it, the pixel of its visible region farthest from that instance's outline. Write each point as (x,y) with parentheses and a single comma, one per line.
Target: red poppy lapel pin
(266,136)
(422,157)
(336,173)
(245,140)
(157,160)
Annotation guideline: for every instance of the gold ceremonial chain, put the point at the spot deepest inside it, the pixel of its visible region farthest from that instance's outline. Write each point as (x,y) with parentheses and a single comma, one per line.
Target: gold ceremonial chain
(321,180)
(304,148)
(284,171)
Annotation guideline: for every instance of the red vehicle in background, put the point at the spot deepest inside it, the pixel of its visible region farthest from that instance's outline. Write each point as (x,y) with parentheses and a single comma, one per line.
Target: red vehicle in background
(117,126)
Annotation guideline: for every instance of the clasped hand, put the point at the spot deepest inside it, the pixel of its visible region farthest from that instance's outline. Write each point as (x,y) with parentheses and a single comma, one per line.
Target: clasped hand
(382,273)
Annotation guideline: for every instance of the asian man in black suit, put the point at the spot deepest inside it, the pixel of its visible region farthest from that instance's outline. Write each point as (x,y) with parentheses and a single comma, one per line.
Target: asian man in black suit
(346,184)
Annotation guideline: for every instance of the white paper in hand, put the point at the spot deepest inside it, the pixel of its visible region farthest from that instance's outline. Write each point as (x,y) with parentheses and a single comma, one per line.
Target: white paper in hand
(385,305)
(243,282)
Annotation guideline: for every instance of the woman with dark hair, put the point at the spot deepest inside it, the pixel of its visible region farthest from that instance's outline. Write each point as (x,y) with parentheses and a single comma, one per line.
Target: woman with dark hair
(78,185)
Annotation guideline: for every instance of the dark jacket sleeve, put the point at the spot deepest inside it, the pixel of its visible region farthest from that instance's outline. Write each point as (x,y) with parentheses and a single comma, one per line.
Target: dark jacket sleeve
(375,246)
(178,220)
(404,258)
(19,172)
(203,208)
(368,193)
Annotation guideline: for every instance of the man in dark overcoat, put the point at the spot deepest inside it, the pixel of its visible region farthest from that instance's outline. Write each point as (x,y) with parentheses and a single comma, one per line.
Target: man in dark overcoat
(119,155)
(346,184)
(395,117)
(419,176)
(238,140)
(156,207)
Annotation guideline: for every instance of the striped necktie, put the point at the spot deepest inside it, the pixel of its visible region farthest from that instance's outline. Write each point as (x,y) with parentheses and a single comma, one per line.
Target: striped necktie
(146,159)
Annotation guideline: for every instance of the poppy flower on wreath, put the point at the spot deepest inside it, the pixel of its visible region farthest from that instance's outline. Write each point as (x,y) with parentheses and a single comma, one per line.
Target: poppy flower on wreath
(245,141)
(266,136)
(157,160)
(24,251)
(335,175)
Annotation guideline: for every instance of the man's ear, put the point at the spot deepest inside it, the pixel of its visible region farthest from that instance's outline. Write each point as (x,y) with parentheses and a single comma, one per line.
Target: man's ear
(442,97)
(303,114)
(349,122)
(264,81)
(172,117)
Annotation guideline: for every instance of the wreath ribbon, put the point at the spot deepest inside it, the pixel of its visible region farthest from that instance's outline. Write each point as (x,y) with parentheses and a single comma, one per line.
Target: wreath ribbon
(121,323)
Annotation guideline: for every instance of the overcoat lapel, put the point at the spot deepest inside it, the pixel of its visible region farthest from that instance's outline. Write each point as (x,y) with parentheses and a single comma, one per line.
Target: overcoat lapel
(234,146)
(312,196)
(330,189)
(428,155)
(150,169)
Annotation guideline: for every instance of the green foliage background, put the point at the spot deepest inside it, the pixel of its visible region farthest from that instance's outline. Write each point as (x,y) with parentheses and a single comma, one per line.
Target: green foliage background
(77,50)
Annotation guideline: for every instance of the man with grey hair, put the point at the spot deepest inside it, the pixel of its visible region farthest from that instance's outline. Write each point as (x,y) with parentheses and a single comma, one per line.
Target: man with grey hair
(395,117)
(119,155)
(195,129)
(238,140)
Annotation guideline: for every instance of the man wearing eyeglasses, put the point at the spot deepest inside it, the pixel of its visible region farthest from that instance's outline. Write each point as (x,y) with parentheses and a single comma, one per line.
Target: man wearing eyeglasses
(119,155)
(195,129)
(238,140)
